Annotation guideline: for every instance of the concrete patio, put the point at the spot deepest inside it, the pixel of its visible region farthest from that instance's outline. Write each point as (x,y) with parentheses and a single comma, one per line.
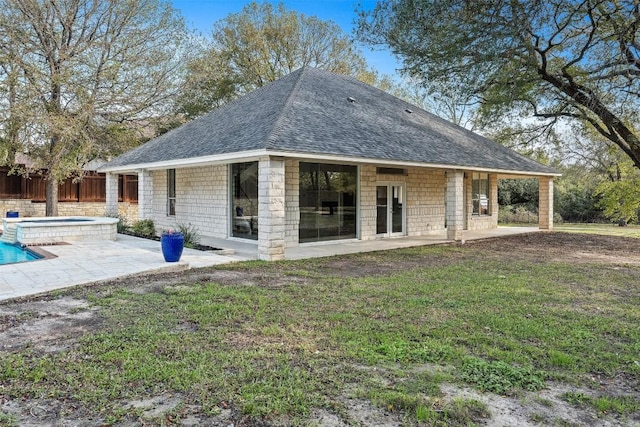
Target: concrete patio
(87,262)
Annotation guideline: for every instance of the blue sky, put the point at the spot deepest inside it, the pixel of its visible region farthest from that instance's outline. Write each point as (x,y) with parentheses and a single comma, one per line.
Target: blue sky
(201,14)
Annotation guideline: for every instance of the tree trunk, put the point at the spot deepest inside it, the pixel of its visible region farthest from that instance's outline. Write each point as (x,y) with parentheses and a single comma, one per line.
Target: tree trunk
(52,197)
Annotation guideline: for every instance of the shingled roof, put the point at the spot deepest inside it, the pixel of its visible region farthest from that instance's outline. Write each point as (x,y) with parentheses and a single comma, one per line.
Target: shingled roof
(315,112)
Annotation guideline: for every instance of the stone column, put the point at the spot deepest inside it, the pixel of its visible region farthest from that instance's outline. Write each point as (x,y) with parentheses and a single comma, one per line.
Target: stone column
(145,194)
(111,186)
(454,211)
(545,203)
(271,208)
(493,199)
(292,202)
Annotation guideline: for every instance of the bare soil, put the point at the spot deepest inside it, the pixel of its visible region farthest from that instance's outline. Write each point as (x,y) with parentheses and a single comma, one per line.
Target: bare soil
(52,324)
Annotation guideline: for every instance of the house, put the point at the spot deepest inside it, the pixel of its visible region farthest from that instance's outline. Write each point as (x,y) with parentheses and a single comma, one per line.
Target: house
(318,157)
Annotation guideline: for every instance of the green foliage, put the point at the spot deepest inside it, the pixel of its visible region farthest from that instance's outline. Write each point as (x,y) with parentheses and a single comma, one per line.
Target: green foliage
(144,228)
(191,235)
(8,420)
(575,196)
(500,377)
(620,195)
(260,44)
(622,405)
(518,193)
(522,59)
(518,215)
(123,223)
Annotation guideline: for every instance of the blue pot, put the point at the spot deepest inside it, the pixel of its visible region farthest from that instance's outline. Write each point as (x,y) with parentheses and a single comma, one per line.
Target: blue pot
(172,246)
(12,214)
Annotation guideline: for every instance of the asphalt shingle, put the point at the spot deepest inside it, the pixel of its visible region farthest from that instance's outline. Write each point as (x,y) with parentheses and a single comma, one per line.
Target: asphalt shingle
(313,111)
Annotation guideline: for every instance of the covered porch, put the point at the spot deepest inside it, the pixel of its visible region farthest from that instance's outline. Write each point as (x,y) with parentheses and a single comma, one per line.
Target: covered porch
(249,250)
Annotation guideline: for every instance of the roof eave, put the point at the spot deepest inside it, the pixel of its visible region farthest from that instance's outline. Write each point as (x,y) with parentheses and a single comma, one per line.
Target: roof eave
(256,154)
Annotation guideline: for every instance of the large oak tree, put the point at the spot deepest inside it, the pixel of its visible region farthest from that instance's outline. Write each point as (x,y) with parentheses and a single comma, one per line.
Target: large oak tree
(78,78)
(576,60)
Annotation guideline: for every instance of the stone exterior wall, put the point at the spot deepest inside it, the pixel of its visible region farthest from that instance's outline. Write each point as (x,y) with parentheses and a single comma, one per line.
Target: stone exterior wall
(545,203)
(367,206)
(425,201)
(27,208)
(292,202)
(425,192)
(201,200)
(271,210)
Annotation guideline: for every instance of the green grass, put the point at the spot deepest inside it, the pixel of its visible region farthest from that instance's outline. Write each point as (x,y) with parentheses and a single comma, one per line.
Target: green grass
(605,229)
(309,335)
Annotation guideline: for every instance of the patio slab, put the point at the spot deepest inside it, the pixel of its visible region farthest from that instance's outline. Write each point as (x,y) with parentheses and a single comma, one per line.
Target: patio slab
(86,262)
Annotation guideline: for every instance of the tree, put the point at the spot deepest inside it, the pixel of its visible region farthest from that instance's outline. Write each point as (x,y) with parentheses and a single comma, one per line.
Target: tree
(79,78)
(262,43)
(620,194)
(554,59)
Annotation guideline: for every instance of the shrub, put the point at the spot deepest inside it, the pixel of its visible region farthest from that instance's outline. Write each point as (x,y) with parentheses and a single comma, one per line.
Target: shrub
(144,228)
(190,233)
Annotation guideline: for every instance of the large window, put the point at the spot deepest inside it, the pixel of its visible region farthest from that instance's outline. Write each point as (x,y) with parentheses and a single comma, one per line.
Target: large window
(480,193)
(171,192)
(244,178)
(328,195)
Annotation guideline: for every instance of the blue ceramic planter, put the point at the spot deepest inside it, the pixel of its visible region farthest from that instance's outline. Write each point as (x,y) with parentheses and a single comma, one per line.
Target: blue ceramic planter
(172,245)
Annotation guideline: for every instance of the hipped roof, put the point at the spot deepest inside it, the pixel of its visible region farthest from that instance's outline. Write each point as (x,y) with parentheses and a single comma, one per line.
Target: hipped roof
(314,112)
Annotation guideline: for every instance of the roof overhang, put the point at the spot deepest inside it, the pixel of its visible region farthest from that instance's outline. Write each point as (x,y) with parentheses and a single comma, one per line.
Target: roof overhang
(253,155)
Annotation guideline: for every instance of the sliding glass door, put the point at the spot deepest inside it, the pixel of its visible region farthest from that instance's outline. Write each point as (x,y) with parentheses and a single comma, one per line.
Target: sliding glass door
(328,195)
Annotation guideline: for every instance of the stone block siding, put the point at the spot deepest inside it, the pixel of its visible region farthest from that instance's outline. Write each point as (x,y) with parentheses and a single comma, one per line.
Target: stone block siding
(425,201)
(201,200)
(27,208)
(367,205)
(425,192)
(545,203)
(292,202)
(34,234)
(271,210)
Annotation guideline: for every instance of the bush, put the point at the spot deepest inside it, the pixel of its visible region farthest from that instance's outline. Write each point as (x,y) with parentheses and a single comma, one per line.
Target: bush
(144,228)
(516,215)
(190,233)
(123,222)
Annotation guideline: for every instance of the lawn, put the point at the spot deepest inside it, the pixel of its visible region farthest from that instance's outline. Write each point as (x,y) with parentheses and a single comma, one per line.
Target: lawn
(274,343)
(604,229)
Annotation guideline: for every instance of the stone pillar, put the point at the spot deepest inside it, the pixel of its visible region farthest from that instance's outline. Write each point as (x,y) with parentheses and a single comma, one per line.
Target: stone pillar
(145,194)
(292,202)
(545,203)
(494,207)
(111,186)
(271,208)
(455,207)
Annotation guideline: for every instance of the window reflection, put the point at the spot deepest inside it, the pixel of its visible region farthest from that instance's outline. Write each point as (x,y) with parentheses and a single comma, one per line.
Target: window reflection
(327,202)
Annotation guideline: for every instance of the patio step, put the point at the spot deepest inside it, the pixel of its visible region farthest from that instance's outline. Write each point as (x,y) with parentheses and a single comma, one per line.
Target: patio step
(9,234)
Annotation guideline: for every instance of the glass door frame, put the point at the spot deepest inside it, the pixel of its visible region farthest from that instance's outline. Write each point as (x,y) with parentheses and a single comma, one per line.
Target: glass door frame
(390,185)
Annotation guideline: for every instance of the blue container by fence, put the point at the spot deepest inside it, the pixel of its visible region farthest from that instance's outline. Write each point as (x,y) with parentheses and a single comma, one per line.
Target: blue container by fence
(172,245)
(13,214)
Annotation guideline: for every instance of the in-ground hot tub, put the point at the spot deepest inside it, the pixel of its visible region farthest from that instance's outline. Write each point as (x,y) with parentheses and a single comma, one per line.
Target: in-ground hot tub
(50,230)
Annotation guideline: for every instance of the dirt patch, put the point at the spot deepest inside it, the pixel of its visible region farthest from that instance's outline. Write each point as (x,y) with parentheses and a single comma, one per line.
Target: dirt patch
(45,325)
